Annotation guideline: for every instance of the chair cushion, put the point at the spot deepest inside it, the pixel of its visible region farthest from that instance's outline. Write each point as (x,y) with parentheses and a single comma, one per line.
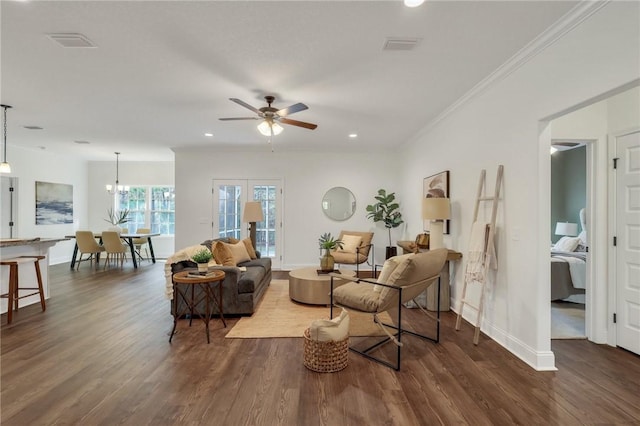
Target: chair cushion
(335,329)
(359,296)
(350,243)
(389,266)
(348,258)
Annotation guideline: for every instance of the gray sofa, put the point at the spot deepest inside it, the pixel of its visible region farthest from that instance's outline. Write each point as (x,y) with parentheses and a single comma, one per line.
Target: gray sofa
(241,289)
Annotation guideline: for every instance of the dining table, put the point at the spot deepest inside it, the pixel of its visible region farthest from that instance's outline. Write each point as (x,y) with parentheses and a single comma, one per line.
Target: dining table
(128,238)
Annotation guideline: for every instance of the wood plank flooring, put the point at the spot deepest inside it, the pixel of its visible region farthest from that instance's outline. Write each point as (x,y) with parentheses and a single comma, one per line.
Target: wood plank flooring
(100,355)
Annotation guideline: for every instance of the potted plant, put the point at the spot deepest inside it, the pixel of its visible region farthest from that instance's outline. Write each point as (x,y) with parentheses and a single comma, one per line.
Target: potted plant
(328,243)
(117,218)
(202,258)
(386,211)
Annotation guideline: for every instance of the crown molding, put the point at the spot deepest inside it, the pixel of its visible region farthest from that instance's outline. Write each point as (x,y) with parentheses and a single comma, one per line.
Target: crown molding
(550,36)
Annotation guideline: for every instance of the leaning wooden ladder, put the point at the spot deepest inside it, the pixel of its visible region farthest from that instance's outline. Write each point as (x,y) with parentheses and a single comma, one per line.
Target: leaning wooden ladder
(489,250)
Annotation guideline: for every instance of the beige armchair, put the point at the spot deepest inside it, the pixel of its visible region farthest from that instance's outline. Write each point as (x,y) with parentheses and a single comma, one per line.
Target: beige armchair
(356,249)
(139,243)
(114,247)
(402,279)
(87,245)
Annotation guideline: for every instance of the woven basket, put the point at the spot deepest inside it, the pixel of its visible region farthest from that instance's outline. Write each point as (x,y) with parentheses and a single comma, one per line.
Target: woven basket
(325,357)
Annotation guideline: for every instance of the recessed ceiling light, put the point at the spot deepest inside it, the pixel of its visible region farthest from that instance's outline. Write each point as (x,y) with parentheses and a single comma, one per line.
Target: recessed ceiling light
(353,135)
(209,135)
(82,142)
(33,127)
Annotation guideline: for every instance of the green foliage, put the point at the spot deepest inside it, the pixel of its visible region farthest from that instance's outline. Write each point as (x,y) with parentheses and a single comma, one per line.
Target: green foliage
(327,242)
(117,217)
(385,210)
(203,256)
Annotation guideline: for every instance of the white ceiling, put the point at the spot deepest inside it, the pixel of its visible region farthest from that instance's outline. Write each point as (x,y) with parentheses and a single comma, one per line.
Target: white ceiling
(162,72)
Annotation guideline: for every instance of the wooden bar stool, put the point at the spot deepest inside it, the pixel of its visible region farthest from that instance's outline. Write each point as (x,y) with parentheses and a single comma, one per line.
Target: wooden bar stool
(13,294)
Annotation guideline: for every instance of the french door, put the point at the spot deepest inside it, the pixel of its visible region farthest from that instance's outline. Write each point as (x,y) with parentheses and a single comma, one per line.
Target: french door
(229,198)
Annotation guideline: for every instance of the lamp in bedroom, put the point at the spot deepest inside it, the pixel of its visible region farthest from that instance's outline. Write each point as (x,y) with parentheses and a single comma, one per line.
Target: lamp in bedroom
(566,228)
(252,214)
(437,210)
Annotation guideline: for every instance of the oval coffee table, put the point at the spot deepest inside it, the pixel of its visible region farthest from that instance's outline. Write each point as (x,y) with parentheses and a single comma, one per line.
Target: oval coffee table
(307,286)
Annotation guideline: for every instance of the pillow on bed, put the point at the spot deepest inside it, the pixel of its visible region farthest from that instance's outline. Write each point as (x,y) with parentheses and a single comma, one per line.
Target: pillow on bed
(566,244)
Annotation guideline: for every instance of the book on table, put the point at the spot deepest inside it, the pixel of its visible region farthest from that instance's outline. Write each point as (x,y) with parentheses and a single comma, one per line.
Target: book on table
(196,274)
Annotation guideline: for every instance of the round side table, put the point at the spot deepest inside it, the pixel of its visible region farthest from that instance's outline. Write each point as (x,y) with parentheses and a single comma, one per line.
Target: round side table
(184,285)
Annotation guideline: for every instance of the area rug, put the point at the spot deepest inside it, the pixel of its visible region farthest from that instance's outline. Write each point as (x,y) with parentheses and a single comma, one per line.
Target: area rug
(278,316)
(567,320)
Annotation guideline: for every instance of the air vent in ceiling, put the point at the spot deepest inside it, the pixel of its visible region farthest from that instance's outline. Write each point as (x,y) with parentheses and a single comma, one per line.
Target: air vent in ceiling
(71,40)
(400,43)
(82,142)
(33,127)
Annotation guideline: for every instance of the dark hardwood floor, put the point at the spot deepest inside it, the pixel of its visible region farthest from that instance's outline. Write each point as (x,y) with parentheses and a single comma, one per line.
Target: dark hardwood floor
(100,355)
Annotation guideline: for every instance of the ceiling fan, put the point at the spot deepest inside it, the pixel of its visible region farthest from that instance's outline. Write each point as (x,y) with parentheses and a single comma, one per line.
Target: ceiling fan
(271,116)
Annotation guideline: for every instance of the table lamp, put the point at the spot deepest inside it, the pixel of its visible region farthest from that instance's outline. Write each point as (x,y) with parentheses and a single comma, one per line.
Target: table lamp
(566,228)
(437,210)
(252,214)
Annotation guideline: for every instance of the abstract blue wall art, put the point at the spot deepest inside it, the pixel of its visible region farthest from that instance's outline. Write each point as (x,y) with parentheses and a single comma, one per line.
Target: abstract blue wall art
(54,203)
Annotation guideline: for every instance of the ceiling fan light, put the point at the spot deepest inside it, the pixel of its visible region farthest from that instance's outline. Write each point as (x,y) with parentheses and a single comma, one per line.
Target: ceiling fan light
(267,126)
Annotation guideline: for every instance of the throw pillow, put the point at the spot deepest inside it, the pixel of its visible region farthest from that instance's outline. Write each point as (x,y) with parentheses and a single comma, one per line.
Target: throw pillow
(567,244)
(334,330)
(350,243)
(239,252)
(222,254)
(389,266)
(250,249)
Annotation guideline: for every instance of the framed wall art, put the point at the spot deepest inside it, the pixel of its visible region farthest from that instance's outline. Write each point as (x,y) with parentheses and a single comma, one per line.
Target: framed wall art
(437,186)
(54,203)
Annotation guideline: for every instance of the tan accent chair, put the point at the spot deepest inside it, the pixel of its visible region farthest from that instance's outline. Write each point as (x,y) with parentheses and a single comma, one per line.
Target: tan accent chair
(114,247)
(138,243)
(361,254)
(87,244)
(402,279)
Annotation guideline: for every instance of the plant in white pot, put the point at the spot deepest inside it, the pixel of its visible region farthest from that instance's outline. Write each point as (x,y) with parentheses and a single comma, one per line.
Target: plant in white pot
(202,258)
(386,211)
(328,243)
(117,218)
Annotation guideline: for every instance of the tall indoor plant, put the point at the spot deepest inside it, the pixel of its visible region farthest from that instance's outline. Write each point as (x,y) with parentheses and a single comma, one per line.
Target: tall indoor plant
(386,210)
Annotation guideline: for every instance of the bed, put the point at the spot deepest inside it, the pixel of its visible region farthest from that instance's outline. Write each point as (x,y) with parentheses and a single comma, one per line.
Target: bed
(569,265)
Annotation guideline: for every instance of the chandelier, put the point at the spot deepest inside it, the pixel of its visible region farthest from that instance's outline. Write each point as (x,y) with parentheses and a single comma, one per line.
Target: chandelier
(117,188)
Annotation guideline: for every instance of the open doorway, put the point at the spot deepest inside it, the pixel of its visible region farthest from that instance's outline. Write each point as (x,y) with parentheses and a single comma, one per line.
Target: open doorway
(569,245)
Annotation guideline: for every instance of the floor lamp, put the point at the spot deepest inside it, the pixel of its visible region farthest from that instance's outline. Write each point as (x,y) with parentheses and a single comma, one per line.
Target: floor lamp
(437,210)
(252,214)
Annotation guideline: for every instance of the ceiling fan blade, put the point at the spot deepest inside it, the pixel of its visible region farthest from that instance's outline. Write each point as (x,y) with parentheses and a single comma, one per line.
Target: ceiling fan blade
(298,123)
(246,105)
(291,109)
(239,118)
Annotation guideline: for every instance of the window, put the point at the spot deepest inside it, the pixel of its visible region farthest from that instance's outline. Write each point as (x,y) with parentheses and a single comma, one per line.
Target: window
(153,205)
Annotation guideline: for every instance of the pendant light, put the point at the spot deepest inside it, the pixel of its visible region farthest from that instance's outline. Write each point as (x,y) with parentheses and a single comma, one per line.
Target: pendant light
(112,189)
(4,166)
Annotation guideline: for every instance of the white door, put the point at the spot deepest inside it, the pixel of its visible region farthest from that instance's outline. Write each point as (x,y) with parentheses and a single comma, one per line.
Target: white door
(627,255)
(229,197)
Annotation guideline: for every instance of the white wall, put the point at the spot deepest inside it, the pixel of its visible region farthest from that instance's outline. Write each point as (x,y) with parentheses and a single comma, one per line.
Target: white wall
(30,166)
(131,173)
(306,177)
(502,126)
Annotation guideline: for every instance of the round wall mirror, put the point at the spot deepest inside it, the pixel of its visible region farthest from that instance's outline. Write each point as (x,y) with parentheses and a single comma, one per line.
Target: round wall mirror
(339,203)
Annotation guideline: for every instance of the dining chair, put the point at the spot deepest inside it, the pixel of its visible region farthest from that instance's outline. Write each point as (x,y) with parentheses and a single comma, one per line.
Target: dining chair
(114,247)
(139,243)
(87,245)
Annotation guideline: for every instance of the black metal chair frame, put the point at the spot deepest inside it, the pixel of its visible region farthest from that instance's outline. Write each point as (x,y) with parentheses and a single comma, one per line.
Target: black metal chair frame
(398,328)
